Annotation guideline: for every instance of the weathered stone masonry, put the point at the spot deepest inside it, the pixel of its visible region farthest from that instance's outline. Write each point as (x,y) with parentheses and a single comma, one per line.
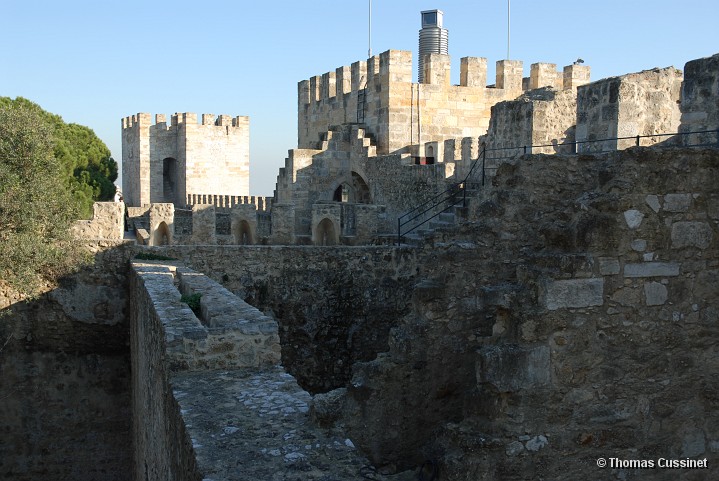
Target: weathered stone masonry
(334,306)
(65,410)
(209,399)
(171,163)
(572,321)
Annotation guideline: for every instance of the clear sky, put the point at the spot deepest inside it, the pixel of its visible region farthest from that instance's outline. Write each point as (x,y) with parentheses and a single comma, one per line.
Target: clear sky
(94,62)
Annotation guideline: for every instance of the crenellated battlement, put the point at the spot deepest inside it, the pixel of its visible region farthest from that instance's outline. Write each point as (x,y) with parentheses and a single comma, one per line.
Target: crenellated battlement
(379,94)
(167,161)
(188,118)
(222,202)
(395,66)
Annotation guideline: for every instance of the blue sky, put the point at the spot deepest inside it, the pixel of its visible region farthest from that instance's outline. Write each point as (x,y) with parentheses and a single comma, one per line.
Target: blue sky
(94,62)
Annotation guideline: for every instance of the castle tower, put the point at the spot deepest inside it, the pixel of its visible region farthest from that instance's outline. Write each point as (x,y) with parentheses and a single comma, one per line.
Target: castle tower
(162,163)
(432,38)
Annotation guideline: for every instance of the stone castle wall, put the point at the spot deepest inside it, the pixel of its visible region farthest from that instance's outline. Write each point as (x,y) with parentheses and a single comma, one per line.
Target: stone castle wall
(398,113)
(699,93)
(380,188)
(330,316)
(210,157)
(65,368)
(643,103)
(108,222)
(564,325)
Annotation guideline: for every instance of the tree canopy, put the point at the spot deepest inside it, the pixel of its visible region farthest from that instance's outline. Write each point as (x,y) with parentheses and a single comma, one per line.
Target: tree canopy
(88,169)
(36,206)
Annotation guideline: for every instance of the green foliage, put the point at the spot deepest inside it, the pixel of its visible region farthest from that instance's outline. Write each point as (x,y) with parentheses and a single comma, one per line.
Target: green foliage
(149,256)
(36,208)
(193,301)
(88,168)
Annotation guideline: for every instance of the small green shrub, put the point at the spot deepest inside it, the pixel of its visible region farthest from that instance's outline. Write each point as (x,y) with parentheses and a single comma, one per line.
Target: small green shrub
(193,301)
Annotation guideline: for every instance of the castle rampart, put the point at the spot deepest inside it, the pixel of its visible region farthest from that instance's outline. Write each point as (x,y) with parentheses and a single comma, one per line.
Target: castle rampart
(379,94)
(700,110)
(227,202)
(642,103)
(166,163)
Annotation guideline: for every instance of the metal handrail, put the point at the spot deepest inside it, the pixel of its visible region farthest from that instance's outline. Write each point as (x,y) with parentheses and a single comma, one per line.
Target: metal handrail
(449,194)
(461,187)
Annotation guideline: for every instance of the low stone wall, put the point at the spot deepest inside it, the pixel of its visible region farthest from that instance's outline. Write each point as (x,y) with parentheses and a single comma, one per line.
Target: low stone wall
(335,306)
(65,376)
(108,222)
(162,448)
(237,334)
(209,399)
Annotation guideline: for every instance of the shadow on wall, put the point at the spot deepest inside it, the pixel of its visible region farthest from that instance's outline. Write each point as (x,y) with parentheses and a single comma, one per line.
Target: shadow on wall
(65,369)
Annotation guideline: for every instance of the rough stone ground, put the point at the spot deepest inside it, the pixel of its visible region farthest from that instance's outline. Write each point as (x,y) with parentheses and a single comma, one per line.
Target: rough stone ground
(254,425)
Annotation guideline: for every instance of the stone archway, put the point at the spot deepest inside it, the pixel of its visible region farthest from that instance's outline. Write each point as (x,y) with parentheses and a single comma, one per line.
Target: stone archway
(325,233)
(360,189)
(343,193)
(242,233)
(162,235)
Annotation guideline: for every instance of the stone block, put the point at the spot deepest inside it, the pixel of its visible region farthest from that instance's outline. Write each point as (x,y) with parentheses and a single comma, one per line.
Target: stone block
(691,234)
(655,293)
(639,245)
(633,218)
(511,368)
(677,202)
(574,293)
(652,269)
(653,202)
(608,266)
(694,443)
(537,443)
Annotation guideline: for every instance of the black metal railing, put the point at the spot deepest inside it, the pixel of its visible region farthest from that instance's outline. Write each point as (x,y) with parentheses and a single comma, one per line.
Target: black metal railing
(457,192)
(440,203)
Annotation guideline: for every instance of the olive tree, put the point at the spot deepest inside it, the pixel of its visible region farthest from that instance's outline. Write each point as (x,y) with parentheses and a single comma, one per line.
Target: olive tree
(36,207)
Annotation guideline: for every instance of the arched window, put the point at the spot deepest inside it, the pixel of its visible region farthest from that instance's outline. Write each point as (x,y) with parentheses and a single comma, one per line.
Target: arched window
(360,189)
(343,193)
(430,155)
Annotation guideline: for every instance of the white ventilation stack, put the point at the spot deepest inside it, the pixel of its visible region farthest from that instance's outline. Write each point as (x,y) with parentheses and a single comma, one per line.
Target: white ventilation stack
(432,38)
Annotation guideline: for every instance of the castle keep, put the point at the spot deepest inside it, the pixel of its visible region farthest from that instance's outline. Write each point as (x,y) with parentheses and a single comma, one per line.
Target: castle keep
(169,163)
(398,113)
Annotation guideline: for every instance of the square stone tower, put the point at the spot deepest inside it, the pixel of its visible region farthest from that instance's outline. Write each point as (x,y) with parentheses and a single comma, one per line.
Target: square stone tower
(162,163)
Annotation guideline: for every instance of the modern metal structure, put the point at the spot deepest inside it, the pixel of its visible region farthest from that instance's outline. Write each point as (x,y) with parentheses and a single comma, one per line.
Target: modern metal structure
(433,38)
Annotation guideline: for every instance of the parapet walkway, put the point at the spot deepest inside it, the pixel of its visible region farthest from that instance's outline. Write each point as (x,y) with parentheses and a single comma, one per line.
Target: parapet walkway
(248,424)
(211,401)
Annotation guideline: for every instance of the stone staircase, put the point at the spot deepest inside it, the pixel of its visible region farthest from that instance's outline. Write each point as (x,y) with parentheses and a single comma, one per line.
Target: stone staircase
(348,137)
(444,221)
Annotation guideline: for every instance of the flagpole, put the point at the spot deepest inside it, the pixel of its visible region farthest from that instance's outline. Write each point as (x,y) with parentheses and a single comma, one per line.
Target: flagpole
(508,16)
(369,50)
